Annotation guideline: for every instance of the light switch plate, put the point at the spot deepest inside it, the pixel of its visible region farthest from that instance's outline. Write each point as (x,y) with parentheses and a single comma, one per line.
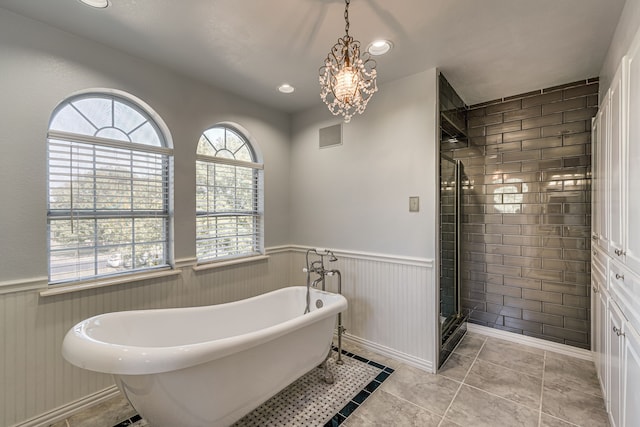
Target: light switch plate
(414,204)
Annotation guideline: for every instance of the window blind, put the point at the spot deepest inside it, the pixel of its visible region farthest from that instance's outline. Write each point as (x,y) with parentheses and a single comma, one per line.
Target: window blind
(108,207)
(228,208)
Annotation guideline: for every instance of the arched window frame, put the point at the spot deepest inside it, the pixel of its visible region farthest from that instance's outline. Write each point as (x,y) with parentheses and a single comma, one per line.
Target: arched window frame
(104,233)
(226,232)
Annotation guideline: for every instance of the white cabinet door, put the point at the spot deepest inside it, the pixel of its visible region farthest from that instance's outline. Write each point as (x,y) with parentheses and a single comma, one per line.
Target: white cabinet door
(598,321)
(616,352)
(595,177)
(616,166)
(631,415)
(632,160)
(603,342)
(603,173)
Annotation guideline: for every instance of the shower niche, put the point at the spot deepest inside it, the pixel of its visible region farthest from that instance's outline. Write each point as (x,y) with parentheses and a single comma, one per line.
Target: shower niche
(452,320)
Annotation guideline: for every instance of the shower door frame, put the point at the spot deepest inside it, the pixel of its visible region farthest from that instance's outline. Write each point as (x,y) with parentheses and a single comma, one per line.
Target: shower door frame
(453,325)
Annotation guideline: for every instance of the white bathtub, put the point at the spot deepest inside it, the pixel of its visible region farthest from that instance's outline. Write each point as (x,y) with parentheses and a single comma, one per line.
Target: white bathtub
(207,366)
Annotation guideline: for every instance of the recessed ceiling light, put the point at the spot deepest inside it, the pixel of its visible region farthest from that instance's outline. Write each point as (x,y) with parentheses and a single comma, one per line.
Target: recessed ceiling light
(379,47)
(286,88)
(101,4)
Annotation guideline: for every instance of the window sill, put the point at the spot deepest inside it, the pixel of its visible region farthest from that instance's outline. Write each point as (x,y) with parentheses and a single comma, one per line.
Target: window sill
(219,264)
(93,284)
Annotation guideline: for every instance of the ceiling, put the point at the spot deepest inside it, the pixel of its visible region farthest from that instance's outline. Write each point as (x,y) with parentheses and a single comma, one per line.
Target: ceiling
(487,49)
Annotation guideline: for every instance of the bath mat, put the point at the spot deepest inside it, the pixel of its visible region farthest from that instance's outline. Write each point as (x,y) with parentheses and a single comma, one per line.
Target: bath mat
(309,401)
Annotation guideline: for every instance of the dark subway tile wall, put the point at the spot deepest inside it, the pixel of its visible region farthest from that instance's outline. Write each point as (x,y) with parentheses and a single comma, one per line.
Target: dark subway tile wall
(527,213)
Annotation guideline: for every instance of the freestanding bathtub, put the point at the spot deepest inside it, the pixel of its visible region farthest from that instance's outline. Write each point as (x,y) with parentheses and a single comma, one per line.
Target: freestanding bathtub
(207,366)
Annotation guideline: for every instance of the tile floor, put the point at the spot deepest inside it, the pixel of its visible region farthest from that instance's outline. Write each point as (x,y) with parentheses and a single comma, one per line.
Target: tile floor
(486,382)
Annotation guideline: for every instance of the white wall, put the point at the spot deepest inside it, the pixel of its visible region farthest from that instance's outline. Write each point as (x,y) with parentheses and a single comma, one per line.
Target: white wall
(40,66)
(353,197)
(356,196)
(626,29)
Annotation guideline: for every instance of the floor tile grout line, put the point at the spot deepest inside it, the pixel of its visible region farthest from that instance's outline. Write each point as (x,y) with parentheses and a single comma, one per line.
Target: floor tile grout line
(485,391)
(512,370)
(564,421)
(600,395)
(488,392)
(544,367)
(412,403)
(462,382)
(509,400)
(570,388)
(500,397)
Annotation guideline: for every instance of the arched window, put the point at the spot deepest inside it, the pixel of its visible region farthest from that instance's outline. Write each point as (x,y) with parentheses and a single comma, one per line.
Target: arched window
(108,188)
(229,196)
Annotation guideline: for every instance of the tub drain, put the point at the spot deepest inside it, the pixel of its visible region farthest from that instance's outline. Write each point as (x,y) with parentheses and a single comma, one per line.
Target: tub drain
(319,303)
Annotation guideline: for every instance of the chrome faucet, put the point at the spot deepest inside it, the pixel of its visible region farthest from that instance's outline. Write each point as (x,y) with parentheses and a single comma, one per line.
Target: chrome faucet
(315,282)
(318,268)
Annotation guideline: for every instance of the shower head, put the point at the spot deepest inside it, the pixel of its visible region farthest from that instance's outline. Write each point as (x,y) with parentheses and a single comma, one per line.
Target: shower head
(332,257)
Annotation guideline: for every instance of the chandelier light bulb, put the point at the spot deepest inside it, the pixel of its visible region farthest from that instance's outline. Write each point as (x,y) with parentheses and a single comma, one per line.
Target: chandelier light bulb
(346,85)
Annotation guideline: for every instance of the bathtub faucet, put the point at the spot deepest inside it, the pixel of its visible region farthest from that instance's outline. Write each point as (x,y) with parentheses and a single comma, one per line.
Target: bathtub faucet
(318,268)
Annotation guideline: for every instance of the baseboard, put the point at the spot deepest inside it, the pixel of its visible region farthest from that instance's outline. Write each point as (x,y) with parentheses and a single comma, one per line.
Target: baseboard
(392,353)
(555,347)
(65,411)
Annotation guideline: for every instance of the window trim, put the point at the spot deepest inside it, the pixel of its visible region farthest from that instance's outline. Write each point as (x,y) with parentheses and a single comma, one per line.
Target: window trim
(258,166)
(104,281)
(105,142)
(230,162)
(163,129)
(165,150)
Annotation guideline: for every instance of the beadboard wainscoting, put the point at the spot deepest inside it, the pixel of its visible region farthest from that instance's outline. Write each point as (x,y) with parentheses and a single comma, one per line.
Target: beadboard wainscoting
(392,310)
(391,299)
(40,387)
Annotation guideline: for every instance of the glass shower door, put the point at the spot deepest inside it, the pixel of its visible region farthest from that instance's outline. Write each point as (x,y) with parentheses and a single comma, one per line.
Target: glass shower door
(452,326)
(449,294)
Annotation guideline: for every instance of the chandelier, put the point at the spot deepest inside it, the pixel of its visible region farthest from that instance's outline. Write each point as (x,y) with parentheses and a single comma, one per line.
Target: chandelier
(347,80)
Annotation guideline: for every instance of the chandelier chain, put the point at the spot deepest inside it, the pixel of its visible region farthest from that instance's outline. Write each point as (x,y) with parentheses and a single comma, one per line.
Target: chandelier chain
(346,16)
